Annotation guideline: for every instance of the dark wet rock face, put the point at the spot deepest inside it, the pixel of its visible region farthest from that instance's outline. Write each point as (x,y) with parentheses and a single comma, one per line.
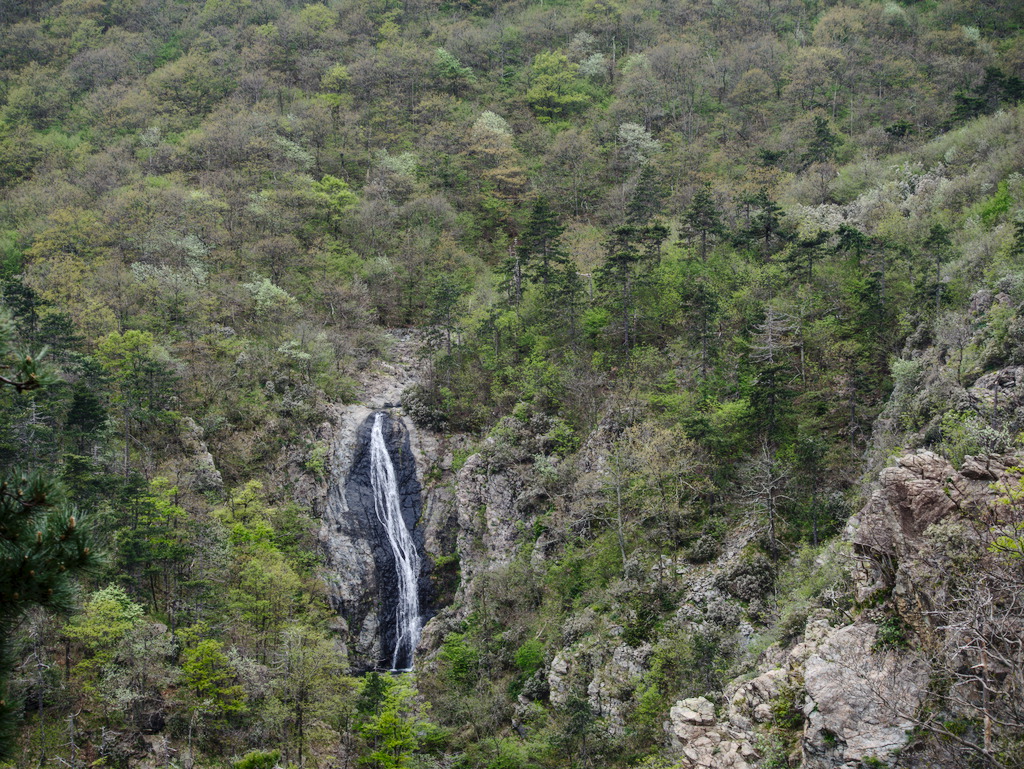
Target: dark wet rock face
(363,583)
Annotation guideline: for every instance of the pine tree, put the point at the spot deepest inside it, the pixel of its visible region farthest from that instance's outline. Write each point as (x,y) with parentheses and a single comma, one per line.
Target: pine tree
(767,222)
(541,252)
(630,248)
(804,253)
(822,146)
(771,394)
(1017,244)
(645,202)
(852,241)
(702,219)
(43,543)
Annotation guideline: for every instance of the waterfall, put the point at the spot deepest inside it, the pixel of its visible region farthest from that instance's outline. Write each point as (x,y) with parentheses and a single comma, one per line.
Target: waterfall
(388,506)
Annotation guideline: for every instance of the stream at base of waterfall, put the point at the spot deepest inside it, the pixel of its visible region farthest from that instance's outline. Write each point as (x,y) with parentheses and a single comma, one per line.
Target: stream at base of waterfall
(388,507)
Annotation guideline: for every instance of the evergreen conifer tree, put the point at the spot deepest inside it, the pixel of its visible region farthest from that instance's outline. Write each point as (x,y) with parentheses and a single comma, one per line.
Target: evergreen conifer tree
(43,544)
(646,199)
(823,144)
(702,219)
(541,250)
(767,223)
(630,249)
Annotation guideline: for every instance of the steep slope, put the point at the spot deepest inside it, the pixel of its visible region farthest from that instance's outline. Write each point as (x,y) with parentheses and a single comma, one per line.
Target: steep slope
(687,276)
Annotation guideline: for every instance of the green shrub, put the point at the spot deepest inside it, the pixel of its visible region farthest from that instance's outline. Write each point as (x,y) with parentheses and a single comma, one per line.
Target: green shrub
(965,433)
(803,580)
(892,634)
(703,550)
(563,438)
(530,656)
(461,662)
(787,709)
(445,576)
(750,579)
(459,457)
(258,759)
(316,460)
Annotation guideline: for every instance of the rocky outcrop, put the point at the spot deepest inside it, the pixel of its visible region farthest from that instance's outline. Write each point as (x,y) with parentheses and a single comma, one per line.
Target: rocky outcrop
(200,473)
(924,546)
(921,489)
(610,691)
(861,700)
(999,393)
(608,675)
(703,741)
(750,701)
(889,535)
(845,697)
(485,499)
(852,696)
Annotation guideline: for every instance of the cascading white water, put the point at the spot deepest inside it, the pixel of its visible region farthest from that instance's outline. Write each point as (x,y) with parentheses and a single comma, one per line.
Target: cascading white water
(388,506)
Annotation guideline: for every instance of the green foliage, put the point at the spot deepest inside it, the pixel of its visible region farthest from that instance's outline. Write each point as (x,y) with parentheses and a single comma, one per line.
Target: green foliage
(750,578)
(268,299)
(787,709)
(108,616)
(555,92)
(1011,544)
(459,457)
(529,657)
(461,661)
(258,759)
(394,732)
(964,433)
(823,144)
(45,543)
(335,199)
(813,577)
(703,220)
(892,634)
(995,207)
(451,69)
(774,751)
(191,83)
(209,678)
(704,549)
(208,211)
(582,569)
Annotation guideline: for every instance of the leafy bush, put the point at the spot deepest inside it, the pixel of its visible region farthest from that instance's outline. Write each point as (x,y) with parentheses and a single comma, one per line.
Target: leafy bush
(892,634)
(749,579)
(258,759)
(459,457)
(703,550)
(964,433)
(530,656)
(460,660)
(787,708)
(814,577)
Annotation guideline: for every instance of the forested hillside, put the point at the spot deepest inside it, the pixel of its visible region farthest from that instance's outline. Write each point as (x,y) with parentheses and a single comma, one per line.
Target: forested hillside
(687,275)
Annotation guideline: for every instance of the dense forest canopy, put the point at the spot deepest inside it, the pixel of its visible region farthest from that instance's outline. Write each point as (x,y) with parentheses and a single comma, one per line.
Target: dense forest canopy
(692,269)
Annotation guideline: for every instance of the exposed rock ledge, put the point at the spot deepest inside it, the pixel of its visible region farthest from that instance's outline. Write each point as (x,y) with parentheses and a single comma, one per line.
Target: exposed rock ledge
(854,699)
(859,697)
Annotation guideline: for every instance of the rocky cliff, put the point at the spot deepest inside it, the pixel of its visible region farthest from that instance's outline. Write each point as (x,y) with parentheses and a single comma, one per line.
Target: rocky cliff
(359,560)
(851,682)
(922,671)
